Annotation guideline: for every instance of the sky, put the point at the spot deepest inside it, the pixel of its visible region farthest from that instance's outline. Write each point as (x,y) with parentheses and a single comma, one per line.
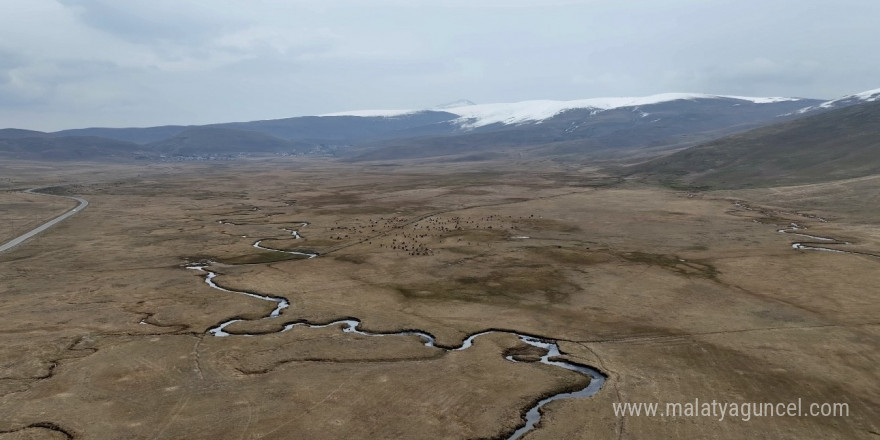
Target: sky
(118,63)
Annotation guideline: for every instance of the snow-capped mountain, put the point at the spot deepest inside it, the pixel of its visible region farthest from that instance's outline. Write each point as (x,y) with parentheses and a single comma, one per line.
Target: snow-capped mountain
(583,127)
(479,115)
(827,144)
(845,101)
(539,128)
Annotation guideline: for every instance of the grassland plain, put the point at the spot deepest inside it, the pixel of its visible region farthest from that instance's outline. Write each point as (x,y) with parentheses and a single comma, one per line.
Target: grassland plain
(675,296)
(24,211)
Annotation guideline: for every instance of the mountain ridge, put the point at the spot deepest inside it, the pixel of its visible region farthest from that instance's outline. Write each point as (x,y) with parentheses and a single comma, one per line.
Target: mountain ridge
(576,129)
(478,115)
(835,144)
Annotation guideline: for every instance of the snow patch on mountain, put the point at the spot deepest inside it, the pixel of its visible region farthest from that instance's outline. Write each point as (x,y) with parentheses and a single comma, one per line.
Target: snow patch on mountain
(479,115)
(866,96)
(536,111)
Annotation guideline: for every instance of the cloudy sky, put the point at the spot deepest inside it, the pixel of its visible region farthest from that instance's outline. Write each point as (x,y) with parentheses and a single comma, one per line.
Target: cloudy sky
(77,63)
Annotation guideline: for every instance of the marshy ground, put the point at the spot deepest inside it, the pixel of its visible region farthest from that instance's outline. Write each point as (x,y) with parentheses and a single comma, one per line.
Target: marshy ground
(674,296)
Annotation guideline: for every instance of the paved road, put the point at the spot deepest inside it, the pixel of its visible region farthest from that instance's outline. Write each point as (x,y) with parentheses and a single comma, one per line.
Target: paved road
(30,234)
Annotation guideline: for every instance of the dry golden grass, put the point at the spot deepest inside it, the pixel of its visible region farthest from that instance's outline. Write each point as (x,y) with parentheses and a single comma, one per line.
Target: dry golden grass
(20,212)
(102,329)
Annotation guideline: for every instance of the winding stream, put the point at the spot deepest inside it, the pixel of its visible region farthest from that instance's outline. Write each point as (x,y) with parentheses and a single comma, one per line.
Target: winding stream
(819,241)
(352,325)
(812,245)
(295,232)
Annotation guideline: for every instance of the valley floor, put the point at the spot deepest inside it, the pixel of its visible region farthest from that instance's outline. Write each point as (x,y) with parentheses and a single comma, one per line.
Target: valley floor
(104,329)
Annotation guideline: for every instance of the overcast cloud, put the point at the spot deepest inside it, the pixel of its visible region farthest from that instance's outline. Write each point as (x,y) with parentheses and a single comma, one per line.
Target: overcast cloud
(77,63)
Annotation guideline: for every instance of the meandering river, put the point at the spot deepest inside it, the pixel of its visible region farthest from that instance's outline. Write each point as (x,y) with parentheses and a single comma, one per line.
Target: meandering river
(816,243)
(552,352)
(531,417)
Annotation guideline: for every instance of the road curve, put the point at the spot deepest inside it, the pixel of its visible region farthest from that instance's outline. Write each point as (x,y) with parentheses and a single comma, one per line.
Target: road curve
(30,234)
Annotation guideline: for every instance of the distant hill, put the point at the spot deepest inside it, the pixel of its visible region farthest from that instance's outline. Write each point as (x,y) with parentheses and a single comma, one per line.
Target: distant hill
(836,144)
(350,129)
(67,148)
(206,141)
(563,130)
(577,132)
(844,101)
(17,133)
(136,135)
